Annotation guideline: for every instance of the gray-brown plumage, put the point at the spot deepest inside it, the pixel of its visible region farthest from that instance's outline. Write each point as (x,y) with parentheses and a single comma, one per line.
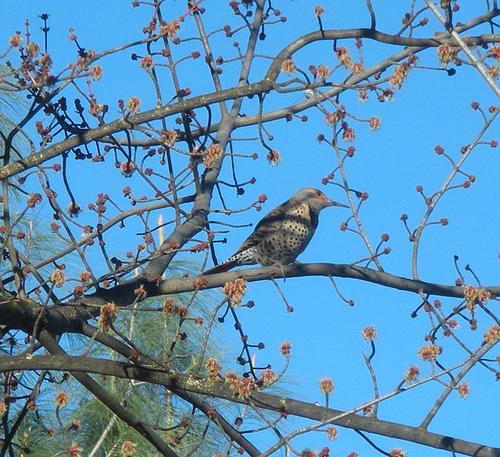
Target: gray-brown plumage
(282,234)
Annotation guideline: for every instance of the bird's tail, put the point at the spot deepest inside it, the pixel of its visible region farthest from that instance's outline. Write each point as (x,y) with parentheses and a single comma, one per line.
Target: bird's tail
(221,268)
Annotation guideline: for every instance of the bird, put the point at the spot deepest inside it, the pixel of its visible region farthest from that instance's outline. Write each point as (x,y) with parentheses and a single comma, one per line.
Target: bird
(282,234)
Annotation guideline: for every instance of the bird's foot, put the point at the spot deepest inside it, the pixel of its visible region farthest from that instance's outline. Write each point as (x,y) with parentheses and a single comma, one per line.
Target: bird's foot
(273,270)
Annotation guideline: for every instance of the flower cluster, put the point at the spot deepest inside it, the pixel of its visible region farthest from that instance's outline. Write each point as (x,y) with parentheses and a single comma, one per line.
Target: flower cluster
(495,52)
(349,135)
(58,278)
(235,291)
(241,387)
(322,72)
(171,29)
(268,377)
(285,348)
(363,96)
(429,352)
(494,71)
(332,118)
(492,335)
(357,68)
(75,425)
(74,450)
(446,54)
(140,292)
(326,385)
(61,399)
(96,108)
(288,67)
(169,137)
(399,74)
(32,49)
(96,72)
(213,367)
(474,296)
(108,314)
(397,452)
(170,308)
(127,169)
(200,247)
(273,157)
(133,105)
(74,209)
(16,40)
(34,199)
(463,390)
(369,333)
(212,154)
(128,448)
(318,11)
(332,433)
(86,59)
(344,57)
(452,323)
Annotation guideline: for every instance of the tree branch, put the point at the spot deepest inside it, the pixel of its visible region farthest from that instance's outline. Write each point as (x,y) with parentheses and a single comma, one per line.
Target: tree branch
(177,382)
(22,313)
(242,90)
(103,396)
(230,431)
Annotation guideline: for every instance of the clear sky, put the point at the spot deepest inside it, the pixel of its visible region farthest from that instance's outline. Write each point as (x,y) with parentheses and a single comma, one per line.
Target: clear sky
(432,108)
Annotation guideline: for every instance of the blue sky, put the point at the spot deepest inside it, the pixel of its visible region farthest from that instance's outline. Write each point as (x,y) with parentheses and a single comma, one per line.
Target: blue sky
(432,108)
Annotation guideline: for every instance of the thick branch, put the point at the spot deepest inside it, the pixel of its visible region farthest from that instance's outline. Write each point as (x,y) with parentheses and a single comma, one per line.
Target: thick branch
(381,37)
(182,383)
(22,313)
(177,285)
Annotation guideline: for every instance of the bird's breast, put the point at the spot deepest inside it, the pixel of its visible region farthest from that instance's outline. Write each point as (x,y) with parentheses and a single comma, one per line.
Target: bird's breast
(285,244)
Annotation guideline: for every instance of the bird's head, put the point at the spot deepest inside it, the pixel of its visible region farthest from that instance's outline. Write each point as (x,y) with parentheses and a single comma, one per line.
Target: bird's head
(316,199)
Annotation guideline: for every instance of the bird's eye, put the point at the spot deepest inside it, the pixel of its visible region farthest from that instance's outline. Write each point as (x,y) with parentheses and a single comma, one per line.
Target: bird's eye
(318,193)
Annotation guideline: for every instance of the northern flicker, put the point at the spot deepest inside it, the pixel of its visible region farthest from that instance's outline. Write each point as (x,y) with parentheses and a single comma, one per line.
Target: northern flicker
(282,234)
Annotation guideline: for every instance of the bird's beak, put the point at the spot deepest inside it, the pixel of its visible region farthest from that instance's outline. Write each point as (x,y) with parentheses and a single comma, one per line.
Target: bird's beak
(329,202)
